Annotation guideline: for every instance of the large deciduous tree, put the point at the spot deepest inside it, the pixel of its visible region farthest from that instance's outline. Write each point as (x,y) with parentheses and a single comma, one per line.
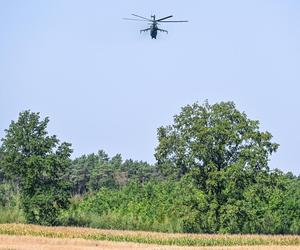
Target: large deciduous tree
(221,147)
(39,162)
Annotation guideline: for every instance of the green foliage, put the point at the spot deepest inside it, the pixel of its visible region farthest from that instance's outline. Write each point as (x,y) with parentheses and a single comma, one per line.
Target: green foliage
(272,205)
(38,162)
(6,194)
(222,148)
(211,138)
(90,173)
(268,206)
(157,206)
(11,215)
(10,211)
(211,176)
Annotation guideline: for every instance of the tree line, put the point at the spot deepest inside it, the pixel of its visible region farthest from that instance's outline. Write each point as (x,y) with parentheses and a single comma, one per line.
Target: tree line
(211,176)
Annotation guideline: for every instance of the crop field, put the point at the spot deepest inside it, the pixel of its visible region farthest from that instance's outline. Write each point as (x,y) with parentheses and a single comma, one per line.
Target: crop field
(63,234)
(38,243)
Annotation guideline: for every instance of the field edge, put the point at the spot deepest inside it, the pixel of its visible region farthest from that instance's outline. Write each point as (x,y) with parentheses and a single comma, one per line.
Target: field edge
(149,237)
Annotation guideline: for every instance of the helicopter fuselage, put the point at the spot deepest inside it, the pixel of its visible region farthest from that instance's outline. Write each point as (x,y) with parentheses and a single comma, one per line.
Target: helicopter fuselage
(153,30)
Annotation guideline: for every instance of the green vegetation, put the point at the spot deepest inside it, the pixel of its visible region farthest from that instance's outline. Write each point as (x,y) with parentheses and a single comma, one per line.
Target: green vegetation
(89,173)
(37,163)
(211,176)
(157,206)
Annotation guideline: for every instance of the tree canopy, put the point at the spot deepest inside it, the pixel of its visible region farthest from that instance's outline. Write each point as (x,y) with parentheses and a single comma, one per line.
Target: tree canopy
(213,137)
(38,161)
(221,147)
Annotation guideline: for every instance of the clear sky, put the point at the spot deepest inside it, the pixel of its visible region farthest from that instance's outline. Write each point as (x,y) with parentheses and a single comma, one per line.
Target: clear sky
(105,86)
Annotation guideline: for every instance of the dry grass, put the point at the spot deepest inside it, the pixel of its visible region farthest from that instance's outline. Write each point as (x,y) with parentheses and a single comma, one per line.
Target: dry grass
(149,237)
(38,243)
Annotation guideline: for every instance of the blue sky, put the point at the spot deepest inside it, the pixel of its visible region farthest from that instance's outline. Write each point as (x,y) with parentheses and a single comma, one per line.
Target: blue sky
(105,86)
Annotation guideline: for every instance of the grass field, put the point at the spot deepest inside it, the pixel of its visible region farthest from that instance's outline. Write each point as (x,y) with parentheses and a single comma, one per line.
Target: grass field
(148,237)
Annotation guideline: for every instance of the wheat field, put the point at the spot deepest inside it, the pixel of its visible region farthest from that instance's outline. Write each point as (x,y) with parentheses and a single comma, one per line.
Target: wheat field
(20,236)
(43,243)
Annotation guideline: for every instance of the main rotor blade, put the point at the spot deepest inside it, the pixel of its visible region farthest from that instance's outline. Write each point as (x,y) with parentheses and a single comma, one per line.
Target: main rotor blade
(131,19)
(142,17)
(163,18)
(173,21)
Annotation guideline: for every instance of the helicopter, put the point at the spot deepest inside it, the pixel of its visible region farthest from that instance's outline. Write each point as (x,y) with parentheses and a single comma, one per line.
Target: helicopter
(153,23)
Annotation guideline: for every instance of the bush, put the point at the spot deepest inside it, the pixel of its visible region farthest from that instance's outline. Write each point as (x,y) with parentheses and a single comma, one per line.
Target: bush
(11,215)
(154,206)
